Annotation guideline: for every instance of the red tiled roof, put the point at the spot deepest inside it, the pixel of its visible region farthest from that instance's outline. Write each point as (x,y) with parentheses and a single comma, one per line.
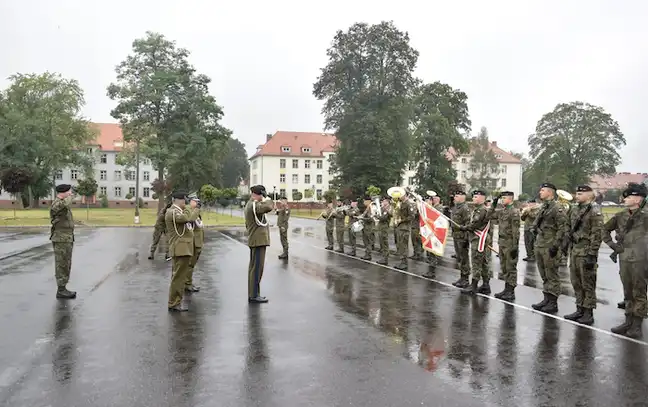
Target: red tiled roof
(109,137)
(504,156)
(318,143)
(618,181)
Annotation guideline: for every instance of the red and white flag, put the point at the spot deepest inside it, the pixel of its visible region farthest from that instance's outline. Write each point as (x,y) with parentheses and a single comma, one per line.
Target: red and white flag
(434,229)
(483,235)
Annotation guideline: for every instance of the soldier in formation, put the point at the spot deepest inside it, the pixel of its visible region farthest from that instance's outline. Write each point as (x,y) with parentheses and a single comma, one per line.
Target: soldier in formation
(198,241)
(479,220)
(340,226)
(415,233)
(158,231)
(354,214)
(461,238)
(383,229)
(258,239)
(329,216)
(508,240)
(529,214)
(402,217)
(368,223)
(283,215)
(62,237)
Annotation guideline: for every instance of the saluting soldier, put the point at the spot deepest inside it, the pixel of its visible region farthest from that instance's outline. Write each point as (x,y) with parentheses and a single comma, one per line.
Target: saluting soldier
(329,215)
(158,230)
(283,215)
(549,230)
(198,242)
(403,230)
(415,234)
(62,237)
(368,223)
(340,226)
(583,237)
(180,233)
(383,229)
(529,214)
(480,266)
(508,240)
(461,216)
(631,228)
(258,239)
(354,214)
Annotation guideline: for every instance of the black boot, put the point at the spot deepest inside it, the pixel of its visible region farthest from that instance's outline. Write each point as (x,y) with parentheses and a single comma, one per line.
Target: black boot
(509,293)
(64,294)
(401,266)
(340,250)
(367,257)
(587,318)
(542,303)
(621,305)
(150,257)
(384,262)
(461,283)
(329,247)
(623,328)
(634,331)
(485,288)
(353,252)
(575,315)
(472,288)
(504,291)
(283,255)
(551,307)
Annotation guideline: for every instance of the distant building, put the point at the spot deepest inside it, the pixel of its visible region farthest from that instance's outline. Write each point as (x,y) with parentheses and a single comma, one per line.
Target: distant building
(619,181)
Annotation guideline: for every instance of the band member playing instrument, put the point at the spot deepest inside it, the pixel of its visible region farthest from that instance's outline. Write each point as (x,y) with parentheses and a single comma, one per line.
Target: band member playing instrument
(383,229)
(402,219)
(340,217)
(529,214)
(415,233)
(199,240)
(353,213)
(368,223)
(329,216)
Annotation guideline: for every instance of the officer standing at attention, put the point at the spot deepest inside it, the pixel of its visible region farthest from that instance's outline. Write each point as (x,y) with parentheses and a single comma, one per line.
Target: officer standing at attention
(383,229)
(415,233)
(584,236)
(403,230)
(283,215)
(549,230)
(199,240)
(368,223)
(480,265)
(62,237)
(258,232)
(340,217)
(179,228)
(354,214)
(529,214)
(158,230)
(461,238)
(329,216)
(508,240)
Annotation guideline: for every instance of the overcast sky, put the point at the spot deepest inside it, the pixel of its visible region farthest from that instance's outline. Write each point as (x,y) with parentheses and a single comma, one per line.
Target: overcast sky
(515,59)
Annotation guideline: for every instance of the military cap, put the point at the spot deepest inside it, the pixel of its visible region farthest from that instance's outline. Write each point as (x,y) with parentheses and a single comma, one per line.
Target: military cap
(635,190)
(507,193)
(195,198)
(548,185)
(460,192)
(479,192)
(258,189)
(367,198)
(179,195)
(583,188)
(63,188)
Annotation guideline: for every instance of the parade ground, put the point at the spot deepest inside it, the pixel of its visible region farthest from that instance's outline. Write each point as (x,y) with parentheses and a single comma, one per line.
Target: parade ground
(338,331)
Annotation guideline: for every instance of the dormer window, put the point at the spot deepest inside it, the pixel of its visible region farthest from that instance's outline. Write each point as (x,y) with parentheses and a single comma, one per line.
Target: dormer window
(285,149)
(498,156)
(306,150)
(118,144)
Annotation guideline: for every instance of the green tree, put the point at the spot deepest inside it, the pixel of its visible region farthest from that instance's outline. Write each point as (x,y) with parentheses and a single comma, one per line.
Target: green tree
(235,166)
(14,180)
(440,122)
(309,193)
(87,188)
(484,167)
(366,88)
(42,129)
(329,195)
(297,196)
(208,194)
(163,104)
(574,142)
(373,191)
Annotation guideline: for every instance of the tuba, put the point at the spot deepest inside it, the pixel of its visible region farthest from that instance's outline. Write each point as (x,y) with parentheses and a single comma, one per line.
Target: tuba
(376,210)
(396,193)
(564,198)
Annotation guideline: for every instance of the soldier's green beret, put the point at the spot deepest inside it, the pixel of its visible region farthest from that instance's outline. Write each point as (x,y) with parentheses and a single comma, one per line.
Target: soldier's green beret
(583,188)
(635,190)
(479,192)
(63,188)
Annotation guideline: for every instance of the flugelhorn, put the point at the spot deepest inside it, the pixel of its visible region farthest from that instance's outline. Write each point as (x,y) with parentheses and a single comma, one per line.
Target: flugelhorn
(564,198)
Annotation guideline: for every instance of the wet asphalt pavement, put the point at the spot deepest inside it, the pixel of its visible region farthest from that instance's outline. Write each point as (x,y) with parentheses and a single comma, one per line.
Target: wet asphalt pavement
(338,331)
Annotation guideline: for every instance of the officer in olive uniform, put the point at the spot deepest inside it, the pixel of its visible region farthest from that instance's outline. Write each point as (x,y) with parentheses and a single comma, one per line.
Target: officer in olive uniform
(549,231)
(199,240)
(508,240)
(283,215)
(631,229)
(340,226)
(368,223)
(529,214)
(158,230)
(383,229)
(180,233)
(415,234)
(480,265)
(564,258)
(461,216)
(354,215)
(62,237)
(583,237)
(329,216)
(258,239)
(403,231)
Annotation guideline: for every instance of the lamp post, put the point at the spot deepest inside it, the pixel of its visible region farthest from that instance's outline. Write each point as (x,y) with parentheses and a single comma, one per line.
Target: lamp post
(137,167)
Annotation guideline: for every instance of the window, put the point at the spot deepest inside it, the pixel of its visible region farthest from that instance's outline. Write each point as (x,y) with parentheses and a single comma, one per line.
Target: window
(295,163)
(285,149)
(282,163)
(117,192)
(294,191)
(318,194)
(254,179)
(464,161)
(307,179)
(318,178)
(503,182)
(410,181)
(146,161)
(463,174)
(306,150)
(118,177)
(147,176)
(307,164)
(130,175)
(74,174)
(254,164)
(320,164)
(146,192)
(103,191)
(498,156)
(503,169)
(282,192)
(411,166)
(103,158)
(131,190)
(58,175)
(103,175)
(89,150)
(295,179)
(282,178)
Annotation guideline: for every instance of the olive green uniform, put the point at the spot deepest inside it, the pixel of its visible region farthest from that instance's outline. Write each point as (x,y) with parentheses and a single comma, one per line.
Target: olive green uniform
(199,240)
(480,265)
(368,233)
(283,215)
(383,233)
(340,217)
(529,216)
(62,237)
(403,230)
(353,214)
(258,241)
(415,234)
(461,238)
(508,240)
(158,231)
(181,249)
(329,216)
(563,259)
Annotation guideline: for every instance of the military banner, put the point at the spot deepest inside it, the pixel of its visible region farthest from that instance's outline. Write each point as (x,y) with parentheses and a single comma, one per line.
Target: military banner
(434,229)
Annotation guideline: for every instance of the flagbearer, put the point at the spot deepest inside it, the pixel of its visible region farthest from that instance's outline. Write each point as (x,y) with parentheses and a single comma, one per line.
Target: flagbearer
(508,240)
(434,201)
(479,223)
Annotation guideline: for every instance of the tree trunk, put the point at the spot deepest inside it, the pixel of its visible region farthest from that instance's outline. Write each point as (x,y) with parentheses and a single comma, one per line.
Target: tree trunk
(161,203)
(32,202)
(19,202)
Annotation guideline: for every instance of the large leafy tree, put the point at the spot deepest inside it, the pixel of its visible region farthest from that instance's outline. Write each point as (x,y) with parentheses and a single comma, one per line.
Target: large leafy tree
(575,141)
(366,88)
(235,166)
(42,130)
(484,167)
(440,123)
(164,106)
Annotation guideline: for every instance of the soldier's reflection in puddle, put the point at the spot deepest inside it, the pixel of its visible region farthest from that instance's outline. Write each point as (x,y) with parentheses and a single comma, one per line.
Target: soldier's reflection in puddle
(64,355)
